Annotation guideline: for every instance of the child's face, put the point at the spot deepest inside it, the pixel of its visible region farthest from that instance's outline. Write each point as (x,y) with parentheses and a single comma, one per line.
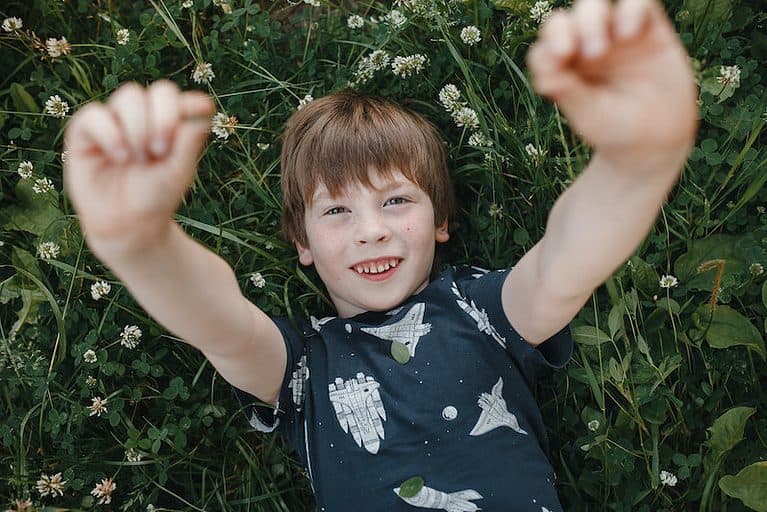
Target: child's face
(364,228)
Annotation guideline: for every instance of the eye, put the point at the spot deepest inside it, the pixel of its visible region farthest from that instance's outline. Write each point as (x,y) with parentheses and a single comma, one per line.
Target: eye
(335,210)
(395,200)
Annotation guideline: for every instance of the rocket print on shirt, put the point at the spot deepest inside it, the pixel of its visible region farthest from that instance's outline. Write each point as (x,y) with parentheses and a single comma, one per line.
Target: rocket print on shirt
(359,410)
(479,316)
(298,382)
(407,330)
(453,502)
(494,413)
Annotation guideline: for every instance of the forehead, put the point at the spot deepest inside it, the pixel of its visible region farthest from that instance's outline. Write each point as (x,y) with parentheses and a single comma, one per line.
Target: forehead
(377,179)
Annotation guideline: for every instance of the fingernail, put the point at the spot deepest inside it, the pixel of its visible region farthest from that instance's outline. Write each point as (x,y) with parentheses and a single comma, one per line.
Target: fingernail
(626,28)
(159,146)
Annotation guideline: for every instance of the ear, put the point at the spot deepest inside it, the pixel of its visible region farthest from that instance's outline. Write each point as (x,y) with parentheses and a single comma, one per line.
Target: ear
(441,234)
(304,254)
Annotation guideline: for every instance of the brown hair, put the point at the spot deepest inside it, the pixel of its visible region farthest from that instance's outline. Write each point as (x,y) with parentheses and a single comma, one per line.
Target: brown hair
(335,139)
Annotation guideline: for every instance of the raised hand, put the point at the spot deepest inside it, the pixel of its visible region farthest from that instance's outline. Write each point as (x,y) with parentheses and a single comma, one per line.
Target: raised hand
(620,74)
(132,159)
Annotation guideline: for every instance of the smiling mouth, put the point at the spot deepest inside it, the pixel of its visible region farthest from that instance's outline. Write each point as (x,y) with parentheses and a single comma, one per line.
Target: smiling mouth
(376,267)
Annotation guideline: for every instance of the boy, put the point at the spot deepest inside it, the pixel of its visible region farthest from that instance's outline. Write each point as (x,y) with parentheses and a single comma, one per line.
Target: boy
(417,395)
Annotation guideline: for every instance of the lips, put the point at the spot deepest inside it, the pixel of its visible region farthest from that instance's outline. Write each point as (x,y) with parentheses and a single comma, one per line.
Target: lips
(378,266)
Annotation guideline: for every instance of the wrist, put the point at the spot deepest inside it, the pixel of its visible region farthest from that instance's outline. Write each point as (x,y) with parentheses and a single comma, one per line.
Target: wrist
(130,244)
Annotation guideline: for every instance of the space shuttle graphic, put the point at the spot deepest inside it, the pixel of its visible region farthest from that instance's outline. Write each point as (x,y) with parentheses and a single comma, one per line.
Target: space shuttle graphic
(452,502)
(494,412)
(478,315)
(359,410)
(407,330)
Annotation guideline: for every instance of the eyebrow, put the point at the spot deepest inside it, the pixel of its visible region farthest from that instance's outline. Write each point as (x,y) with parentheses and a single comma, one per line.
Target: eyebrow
(390,185)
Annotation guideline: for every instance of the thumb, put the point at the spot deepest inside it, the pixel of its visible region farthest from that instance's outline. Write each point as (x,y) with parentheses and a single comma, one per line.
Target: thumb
(196,110)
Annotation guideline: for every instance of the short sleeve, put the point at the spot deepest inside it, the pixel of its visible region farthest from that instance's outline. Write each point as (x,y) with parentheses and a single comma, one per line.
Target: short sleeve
(262,416)
(483,290)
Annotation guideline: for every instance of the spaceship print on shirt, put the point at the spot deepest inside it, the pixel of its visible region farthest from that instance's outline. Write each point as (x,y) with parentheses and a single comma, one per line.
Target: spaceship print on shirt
(359,410)
(407,330)
(451,502)
(479,316)
(494,412)
(298,382)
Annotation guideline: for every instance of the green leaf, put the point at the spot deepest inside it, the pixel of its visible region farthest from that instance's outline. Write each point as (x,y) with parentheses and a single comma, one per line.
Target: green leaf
(589,335)
(520,7)
(727,430)
(749,485)
(732,249)
(710,11)
(35,213)
(729,328)
(400,352)
(411,487)
(22,100)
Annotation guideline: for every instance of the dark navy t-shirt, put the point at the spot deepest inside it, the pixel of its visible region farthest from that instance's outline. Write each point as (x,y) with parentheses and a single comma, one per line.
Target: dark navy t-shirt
(457,414)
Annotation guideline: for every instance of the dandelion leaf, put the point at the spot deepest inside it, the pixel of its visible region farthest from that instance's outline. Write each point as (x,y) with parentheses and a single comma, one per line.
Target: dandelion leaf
(725,328)
(731,249)
(749,486)
(727,431)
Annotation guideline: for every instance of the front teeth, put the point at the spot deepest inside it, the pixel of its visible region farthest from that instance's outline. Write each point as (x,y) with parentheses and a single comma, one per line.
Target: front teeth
(372,268)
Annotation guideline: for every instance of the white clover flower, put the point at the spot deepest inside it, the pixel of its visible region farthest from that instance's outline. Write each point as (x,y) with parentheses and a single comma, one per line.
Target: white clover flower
(403,67)
(223,5)
(466,117)
(478,140)
(48,250)
(540,11)
(268,246)
(58,47)
(355,21)
(305,101)
(123,36)
(760,209)
(262,146)
(533,151)
(729,75)
(25,169)
(98,406)
(103,491)
(470,35)
(496,211)
(150,508)
(394,18)
(51,485)
(313,3)
(223,125)
(100,289)
(187,4)
(257,279)
(593,425)
(130,336)
(132,455)
(12,24)
(90,381)
(203,73)
(89,356)
(56,107)
(668,281)
(450,97)
(667,478)
(756,269)
(368,65)
(42,185)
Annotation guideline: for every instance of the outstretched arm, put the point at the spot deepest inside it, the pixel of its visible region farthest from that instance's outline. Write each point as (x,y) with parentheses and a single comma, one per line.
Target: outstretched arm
(633,100)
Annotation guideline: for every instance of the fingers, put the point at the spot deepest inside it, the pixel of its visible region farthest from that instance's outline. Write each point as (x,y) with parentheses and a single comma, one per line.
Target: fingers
(94,130)
(129,105)
(591,19)
(164,112)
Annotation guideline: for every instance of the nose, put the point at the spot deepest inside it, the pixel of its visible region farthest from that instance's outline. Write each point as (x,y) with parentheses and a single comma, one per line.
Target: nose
(371,228)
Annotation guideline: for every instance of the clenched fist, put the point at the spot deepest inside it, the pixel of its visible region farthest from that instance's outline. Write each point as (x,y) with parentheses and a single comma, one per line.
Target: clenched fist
(132,159)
